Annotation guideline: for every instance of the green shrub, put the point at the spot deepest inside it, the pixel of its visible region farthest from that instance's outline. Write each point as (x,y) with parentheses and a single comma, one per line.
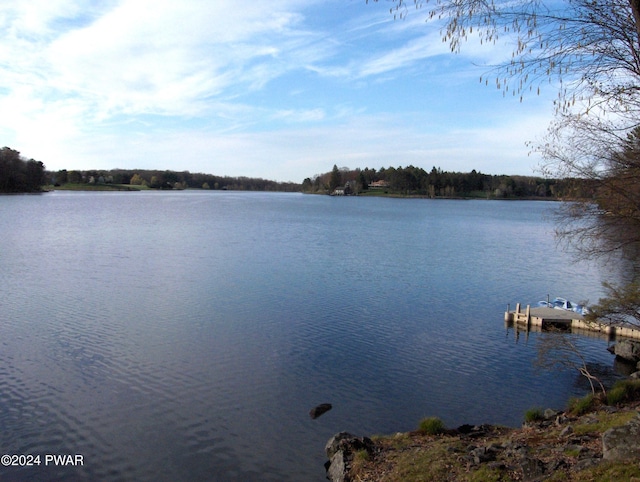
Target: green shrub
(431,426)
(616,395)
(580,406)
(533,414)
(623,391)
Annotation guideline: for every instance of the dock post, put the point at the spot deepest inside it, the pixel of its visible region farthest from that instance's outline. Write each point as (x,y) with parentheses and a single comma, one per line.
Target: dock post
(528,314)
(508,318)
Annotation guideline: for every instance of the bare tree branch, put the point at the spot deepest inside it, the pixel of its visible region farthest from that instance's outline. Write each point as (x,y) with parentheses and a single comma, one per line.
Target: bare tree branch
(557,351)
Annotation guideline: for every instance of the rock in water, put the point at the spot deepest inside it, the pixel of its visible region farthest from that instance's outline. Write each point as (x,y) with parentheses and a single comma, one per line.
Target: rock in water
(626,349)
(315,412)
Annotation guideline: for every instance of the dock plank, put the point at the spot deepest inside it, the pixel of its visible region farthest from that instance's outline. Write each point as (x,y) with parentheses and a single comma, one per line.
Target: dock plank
(547,313)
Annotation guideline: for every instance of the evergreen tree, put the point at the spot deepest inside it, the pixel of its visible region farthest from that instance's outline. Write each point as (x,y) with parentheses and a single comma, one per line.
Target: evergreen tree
(336,178)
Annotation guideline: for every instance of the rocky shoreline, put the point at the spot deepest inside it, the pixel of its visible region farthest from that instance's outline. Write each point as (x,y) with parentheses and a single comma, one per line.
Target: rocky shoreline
(601,443)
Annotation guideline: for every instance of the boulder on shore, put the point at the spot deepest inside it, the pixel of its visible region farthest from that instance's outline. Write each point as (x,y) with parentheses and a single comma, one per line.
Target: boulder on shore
(622,443)
(626,349)
(340,450)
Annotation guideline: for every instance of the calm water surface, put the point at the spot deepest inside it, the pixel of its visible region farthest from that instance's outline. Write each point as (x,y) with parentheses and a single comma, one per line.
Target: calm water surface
(185,335)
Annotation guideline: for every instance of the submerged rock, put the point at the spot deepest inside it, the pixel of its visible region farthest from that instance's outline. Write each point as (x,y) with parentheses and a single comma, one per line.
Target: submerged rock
(315,412)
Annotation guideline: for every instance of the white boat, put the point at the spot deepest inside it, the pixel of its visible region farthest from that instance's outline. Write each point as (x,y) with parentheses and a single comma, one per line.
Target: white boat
(564,304)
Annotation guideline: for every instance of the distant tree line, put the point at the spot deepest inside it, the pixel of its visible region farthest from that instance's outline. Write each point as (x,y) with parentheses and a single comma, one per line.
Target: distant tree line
(412,180)
(156,179)
(18,174)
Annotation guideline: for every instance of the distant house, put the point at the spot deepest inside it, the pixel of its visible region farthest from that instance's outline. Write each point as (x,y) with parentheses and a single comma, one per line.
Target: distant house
(346,190)
(379,184)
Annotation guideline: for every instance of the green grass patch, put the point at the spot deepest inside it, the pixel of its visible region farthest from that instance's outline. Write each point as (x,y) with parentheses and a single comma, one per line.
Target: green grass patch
(437,461)
(431,426)
(98,187)
(360,459)
(603,421)
(624,391)
(572,452)
(580,406)
(479,195)
(534,414)
(485,474)
(611,471)
(423,465)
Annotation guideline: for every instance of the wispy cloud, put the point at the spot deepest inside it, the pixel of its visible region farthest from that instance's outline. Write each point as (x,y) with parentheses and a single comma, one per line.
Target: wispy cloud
(291,83)
(154,57)
(415,50)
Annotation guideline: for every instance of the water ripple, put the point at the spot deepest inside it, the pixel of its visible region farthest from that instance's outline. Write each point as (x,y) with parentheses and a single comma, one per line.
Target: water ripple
(184,336)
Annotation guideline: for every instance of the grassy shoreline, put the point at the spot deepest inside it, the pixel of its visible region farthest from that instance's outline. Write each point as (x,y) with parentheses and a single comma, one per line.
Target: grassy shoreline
(96,187)
(557,446)
(482,195)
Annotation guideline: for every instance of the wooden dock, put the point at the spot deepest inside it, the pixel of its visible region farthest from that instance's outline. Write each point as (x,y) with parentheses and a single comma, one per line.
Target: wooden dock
(545,318)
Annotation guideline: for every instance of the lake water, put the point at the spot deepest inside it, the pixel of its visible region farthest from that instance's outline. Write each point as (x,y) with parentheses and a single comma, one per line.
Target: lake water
(185,335)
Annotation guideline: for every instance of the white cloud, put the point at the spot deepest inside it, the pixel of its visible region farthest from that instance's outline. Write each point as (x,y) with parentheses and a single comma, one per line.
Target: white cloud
(153,57)
(40,18)
(413,51)
(165,57)
(293,116)
(237,88)
(294,153)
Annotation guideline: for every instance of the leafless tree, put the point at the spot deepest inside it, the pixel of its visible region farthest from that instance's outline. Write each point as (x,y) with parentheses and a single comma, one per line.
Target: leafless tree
(590,51)
(591,48)
(558,351)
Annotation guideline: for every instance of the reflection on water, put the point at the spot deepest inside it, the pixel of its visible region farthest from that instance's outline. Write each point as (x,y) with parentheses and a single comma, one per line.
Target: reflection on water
(185,336)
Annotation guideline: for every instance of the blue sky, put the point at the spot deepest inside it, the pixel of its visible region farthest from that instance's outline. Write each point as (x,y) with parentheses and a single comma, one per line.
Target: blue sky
(282,89)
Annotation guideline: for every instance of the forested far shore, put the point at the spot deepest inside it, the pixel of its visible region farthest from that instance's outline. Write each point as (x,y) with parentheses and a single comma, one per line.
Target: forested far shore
(158,179)
(20,175)
(415,181)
